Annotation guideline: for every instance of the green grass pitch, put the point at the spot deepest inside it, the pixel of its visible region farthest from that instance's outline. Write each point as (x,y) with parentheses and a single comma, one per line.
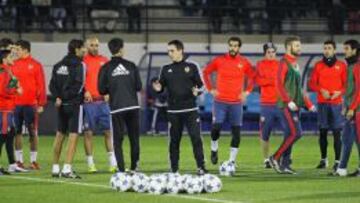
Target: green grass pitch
(252,182)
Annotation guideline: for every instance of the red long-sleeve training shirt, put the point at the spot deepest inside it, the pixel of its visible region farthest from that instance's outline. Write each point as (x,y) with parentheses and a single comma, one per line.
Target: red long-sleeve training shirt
(330,79)
(7,94)
(230,78)
(93,66)
(265,77)
(31,77)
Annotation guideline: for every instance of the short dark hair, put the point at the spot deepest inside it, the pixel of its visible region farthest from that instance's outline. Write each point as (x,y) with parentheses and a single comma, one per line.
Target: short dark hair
(3,54)
(332,42)
(235,39)
(290,40)
(354,44)
(177,43)
(5,42)
(75,44)
(115,44)
(24,44)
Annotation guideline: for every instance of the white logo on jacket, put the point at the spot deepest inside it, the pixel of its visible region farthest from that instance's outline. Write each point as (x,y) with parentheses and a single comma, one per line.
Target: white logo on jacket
(120,70)
(63,70)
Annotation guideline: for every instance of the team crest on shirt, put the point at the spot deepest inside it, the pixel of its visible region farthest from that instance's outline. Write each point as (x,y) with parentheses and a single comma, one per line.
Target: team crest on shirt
(262,119)
(102,63)
(170,71)
(296,119)
(31,66)
(240,65)
(187,69)
(337,67)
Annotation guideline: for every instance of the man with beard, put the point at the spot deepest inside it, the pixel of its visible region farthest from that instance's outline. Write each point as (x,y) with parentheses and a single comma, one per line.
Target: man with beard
(229,96)
(291,99)
(351,131)
(96,107)
(328,80)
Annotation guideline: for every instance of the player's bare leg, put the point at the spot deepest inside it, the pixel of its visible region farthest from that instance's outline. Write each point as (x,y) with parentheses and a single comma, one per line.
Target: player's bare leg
(67,171)
(265,150)
(110,151)
(57,148)
(88,145)
(19,157)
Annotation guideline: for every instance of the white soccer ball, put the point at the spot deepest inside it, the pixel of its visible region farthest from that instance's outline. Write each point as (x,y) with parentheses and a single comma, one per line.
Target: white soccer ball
(140,182)
(157,184)
(174,183)
(212,183)
(113,182)
(227,168)
(194,184)
(121,182)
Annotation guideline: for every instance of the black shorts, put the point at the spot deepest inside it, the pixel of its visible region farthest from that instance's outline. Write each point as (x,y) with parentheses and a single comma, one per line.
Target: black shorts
(70,118)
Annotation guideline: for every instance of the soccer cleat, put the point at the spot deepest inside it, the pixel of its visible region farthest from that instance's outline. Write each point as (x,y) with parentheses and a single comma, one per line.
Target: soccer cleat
(112,169)
(336,165)
(275,164)
(288,170)
(202,171)
(34,166)
(20,164)
(92,169)
(340,172)
(70,175)
(55,175)
(16,168)
(267,164)
(322,164)
(214,157)
(3,171)
(355,173)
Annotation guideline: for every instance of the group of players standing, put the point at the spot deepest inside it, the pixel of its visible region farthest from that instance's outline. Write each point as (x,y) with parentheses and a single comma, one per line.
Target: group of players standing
(94,93)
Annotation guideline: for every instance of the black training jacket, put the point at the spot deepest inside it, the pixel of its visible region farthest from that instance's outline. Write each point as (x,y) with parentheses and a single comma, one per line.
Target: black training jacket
(67,80)
(120,79)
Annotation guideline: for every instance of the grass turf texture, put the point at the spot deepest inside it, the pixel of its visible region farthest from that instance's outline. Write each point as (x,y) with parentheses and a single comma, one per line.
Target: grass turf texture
(252,182)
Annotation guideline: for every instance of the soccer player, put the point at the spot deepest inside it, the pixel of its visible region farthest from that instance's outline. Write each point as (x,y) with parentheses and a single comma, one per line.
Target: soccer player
(96,107)
(120,79)
(183,83)
(351,132)
(328,80)
(30,104)
(265,77)
(67,87)
(292,98)
(229,96)
(9,87)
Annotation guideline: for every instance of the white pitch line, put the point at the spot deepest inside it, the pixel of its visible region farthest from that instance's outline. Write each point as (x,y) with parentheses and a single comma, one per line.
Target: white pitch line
(204,199)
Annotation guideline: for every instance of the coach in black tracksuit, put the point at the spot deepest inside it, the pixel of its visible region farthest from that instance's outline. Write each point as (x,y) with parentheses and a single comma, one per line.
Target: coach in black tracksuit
(121,80)
(67,87)
(183,82)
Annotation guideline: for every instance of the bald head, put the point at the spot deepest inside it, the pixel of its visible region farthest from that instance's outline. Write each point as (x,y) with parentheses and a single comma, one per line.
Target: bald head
(92,45)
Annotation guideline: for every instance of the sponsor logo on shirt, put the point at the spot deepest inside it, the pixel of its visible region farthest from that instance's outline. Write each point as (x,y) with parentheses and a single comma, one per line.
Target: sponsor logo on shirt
(120,70)
(63,70)
(170,71)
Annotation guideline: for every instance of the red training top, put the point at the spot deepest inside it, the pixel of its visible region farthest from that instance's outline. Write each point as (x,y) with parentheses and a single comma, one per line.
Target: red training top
(231,72)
